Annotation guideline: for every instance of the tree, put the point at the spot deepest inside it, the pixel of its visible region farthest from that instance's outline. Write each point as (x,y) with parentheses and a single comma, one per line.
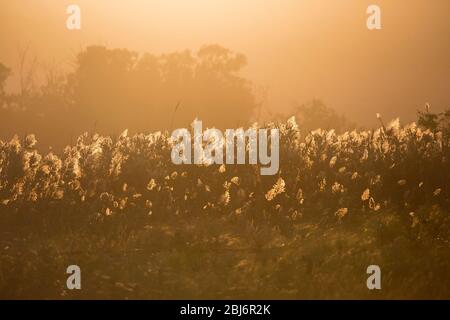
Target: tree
(316,114)
(4,74)
(118,89)
(110,90)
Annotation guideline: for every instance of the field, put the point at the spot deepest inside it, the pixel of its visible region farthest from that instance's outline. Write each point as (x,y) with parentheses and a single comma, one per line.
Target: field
(140,227)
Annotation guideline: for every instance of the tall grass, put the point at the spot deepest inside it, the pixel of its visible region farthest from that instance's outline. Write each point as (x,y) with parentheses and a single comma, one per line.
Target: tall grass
(141,227)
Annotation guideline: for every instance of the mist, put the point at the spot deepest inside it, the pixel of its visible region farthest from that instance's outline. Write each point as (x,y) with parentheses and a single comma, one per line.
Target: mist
(296,50)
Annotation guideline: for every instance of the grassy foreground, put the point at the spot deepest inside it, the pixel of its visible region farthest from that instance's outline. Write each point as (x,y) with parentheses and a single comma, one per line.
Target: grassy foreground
(141,227)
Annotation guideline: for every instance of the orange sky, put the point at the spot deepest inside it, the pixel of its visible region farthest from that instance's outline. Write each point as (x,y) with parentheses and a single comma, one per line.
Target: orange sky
(297,49)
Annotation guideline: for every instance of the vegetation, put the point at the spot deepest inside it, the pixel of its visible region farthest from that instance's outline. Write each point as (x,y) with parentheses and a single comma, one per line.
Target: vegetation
(315,114)
(108,90)
(141,227)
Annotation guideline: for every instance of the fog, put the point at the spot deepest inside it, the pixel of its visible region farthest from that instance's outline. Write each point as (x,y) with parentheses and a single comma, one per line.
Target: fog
(296,50)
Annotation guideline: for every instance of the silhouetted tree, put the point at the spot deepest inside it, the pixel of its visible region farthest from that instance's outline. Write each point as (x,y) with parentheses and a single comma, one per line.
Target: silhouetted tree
(113,89)
(316,114)
(4,74)
(119,89)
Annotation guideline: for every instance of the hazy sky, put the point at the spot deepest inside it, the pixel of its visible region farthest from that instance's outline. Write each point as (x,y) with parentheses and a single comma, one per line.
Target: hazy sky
(297,49)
